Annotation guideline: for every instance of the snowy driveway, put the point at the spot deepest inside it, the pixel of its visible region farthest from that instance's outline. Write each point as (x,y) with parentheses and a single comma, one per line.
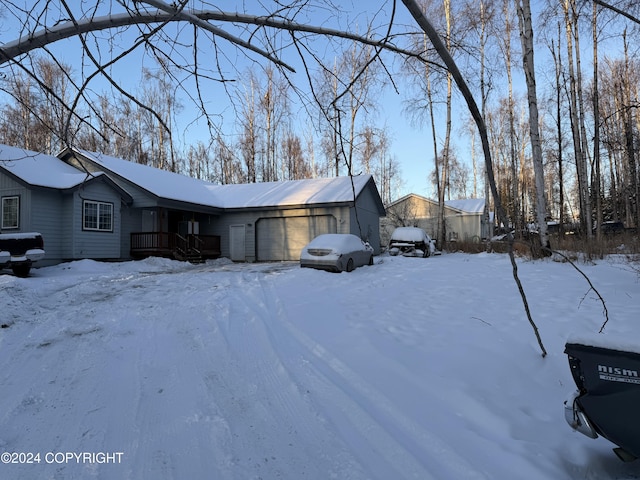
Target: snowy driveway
(411,369)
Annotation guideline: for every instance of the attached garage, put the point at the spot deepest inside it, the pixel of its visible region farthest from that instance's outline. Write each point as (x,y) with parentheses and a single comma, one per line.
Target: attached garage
(282,238)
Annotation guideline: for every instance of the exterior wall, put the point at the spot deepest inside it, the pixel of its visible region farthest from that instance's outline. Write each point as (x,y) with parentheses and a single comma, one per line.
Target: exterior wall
(46,213)
(130,222)
(93,244)
(10,188)
(250,219)
(366,224)
(221,228)
(463,227)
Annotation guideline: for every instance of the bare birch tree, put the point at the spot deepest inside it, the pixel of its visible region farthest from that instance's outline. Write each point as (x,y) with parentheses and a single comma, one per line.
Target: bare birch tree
(526,35)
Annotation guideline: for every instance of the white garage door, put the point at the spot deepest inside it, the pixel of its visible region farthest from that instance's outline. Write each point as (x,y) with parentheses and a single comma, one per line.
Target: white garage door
(283,238)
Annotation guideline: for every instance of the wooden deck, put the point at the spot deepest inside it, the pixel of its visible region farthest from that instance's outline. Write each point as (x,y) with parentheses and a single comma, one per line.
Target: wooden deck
(172,245)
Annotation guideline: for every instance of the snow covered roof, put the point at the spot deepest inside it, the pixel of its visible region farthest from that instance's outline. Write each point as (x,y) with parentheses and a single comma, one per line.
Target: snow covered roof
(467,205)
(174,186)
(39,169)
(290,193)
(464,205)
(161,183)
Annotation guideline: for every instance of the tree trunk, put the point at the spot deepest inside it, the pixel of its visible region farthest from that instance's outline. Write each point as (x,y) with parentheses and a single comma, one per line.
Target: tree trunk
(440,233)
(526,35)
(444,180)
(558,64)
(597,182)
(516,216)
(580,159)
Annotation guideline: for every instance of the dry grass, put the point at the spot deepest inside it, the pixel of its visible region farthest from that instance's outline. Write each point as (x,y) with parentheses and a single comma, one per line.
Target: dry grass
(574,246)
(623,243)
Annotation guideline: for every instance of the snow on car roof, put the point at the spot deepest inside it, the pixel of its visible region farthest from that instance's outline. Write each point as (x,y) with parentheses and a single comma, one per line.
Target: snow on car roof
(334,241)
(408,234)
(40,169)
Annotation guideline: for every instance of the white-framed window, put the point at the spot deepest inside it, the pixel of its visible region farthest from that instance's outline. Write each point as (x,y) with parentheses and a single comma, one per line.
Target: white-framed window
(10,212)
(97,216)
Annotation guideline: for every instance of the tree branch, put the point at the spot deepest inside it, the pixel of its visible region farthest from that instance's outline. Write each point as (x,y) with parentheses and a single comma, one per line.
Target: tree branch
(604,305)
(68,29)
(195,20)
(618,11)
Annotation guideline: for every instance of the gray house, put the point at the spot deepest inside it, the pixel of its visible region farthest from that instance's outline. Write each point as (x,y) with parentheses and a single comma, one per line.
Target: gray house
(89,205)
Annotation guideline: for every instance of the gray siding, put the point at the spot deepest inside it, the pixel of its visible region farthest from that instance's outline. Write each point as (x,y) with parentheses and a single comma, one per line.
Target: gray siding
(130,222)
(93,244)
(221,226)
(47,212)
(367,222)
(9,188)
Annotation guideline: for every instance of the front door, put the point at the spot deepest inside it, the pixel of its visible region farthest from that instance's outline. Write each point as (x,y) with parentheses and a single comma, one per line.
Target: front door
(236,243)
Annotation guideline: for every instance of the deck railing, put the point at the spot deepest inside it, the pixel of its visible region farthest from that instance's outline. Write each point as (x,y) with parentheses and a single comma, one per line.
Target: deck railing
(165,244)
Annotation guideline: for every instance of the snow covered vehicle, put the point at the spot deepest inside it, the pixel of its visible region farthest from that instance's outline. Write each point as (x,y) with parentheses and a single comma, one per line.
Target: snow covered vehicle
(607,374)
(411,242)
(337,252)
(19,251)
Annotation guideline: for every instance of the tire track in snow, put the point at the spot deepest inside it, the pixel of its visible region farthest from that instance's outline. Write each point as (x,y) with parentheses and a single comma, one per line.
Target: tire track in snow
(276,432)
(361,415)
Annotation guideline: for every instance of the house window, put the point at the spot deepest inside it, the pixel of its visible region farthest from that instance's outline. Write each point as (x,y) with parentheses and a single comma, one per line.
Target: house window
(10,212)
(97,216)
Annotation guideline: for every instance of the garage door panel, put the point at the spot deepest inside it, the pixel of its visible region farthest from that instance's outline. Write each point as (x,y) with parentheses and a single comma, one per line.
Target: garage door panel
(282,238)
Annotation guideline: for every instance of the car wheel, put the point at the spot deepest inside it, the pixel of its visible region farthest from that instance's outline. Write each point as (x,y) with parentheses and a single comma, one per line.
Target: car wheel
(350,265)
(427,251)
(371,260)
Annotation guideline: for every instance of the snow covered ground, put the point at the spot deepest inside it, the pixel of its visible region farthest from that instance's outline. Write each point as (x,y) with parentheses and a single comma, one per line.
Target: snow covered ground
(410,369)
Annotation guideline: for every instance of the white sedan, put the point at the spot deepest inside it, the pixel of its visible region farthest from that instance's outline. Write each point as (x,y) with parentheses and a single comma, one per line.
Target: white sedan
(337,252)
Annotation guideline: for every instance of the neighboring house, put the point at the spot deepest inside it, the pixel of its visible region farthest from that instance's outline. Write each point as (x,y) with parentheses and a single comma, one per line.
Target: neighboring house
(89,205)
(465,220)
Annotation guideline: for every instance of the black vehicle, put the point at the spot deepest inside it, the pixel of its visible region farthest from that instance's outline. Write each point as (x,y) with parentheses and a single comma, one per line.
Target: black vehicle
(608,397)
(19,251)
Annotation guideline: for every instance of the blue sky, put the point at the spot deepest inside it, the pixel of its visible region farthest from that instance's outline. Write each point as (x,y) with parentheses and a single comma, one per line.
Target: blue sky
(411,145)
